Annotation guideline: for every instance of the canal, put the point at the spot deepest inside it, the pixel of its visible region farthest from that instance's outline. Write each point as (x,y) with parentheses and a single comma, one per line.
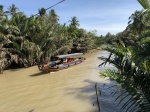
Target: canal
(68,90)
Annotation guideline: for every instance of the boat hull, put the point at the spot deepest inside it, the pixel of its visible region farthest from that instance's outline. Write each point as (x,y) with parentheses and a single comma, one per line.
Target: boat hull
(45,68)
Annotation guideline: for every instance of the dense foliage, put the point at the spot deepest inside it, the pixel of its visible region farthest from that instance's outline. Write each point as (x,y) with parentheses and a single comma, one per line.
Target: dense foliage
(25,41)
(130,55)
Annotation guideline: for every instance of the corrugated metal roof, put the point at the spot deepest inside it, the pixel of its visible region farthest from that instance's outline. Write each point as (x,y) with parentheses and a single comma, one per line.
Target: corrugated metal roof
(69,55)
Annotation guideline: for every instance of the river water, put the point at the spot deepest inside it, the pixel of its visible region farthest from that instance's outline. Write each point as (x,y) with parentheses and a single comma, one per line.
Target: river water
(68,90)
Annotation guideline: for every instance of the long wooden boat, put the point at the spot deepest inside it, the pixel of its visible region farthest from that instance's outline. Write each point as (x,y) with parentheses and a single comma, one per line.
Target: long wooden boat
(62,62)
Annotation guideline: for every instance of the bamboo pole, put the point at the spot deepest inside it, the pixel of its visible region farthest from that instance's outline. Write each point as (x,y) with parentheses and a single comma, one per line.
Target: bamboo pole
(96,89)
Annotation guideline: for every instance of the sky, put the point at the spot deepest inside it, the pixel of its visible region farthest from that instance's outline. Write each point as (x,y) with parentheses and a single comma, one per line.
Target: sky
(101,15)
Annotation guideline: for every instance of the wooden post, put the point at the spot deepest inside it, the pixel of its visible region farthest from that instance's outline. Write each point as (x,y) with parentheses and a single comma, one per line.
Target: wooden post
(96,89)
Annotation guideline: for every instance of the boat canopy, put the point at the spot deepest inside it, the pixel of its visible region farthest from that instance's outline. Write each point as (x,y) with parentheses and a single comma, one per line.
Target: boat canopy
(69,55)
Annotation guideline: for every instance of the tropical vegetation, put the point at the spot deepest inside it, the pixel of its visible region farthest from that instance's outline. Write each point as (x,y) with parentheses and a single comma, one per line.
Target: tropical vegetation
(26,41)
(130,55)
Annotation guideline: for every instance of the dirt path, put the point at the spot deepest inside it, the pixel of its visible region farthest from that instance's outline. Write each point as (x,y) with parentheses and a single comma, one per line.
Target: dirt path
(69,90)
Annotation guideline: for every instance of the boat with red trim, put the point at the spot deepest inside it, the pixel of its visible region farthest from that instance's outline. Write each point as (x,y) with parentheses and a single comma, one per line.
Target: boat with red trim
(62,62)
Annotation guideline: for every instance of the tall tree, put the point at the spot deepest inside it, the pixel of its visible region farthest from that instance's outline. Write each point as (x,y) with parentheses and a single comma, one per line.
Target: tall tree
(42,11)
(136,22)
(74,22)
(12,10)
(53,18)
(1,12)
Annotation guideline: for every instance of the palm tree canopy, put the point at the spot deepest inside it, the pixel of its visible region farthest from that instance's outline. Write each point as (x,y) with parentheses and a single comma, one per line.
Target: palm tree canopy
(13,10)
(74,22)
(42,11)
(145,3)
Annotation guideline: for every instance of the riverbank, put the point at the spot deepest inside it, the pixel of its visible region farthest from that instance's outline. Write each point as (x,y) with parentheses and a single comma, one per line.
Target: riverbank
(69,90)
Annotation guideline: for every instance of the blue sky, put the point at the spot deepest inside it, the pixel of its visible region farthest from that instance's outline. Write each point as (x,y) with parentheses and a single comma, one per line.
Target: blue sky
(101,15)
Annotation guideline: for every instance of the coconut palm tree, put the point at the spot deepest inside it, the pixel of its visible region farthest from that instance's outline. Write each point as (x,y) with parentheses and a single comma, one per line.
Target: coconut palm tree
(42,11)
(74,22)
(131,77)
(2,13)
(136,22)
(132,63)
(53,18)
(36,38)
(12,10)
(145,3)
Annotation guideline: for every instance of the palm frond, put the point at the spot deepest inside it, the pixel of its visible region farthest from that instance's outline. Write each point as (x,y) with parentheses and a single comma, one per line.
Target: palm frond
(133,98)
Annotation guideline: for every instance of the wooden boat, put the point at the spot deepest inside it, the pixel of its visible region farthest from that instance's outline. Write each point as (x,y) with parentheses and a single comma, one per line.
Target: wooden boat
(62,62)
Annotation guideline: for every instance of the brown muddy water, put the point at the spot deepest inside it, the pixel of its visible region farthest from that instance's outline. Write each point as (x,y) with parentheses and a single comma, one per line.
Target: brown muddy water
(68,90)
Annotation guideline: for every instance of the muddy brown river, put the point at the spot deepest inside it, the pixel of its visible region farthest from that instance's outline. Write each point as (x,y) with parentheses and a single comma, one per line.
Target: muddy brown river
(68,90)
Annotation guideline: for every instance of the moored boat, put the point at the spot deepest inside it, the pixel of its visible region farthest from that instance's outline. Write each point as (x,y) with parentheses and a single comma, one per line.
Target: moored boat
(62,62)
